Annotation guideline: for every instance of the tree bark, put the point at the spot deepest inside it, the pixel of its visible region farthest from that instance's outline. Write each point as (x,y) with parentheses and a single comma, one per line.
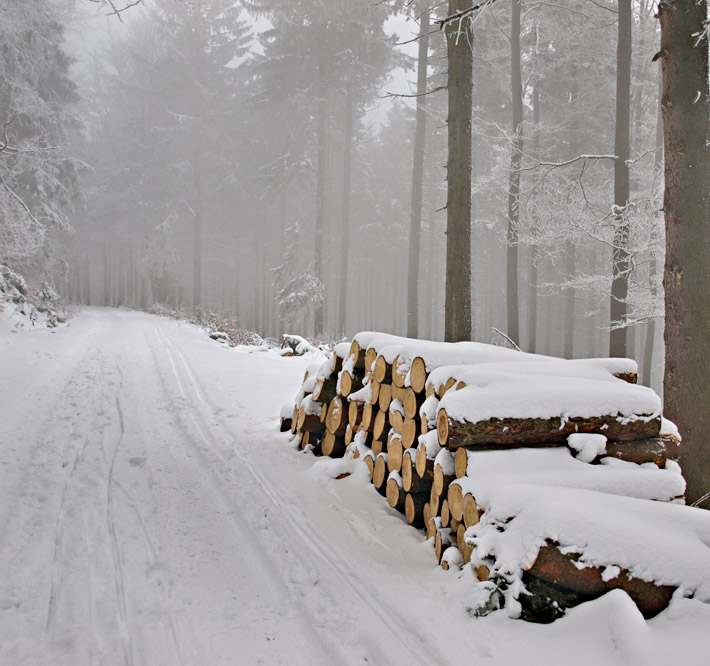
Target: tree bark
(322,132)
(531,431)
(345,240)
(514,182)
(457,309)
(620,255)
(686,123)
(415,224)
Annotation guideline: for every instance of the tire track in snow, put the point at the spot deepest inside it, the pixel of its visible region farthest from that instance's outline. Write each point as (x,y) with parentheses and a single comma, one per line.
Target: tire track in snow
(126,641)
(208,457)
(320,550)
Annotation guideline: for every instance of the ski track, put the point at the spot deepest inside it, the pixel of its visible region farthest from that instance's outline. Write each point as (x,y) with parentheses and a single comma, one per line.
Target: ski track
(315,545)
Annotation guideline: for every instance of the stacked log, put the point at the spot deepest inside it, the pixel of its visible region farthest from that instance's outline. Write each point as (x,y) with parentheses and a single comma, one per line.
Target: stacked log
(421,414)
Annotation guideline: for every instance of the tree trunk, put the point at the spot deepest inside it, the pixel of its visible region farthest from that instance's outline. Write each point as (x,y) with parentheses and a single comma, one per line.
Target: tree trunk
(532,287)
(514,183)
(620,282)
(686,123)
(322,131)
(415,224)
(570,272)
(457,311)
(345,240)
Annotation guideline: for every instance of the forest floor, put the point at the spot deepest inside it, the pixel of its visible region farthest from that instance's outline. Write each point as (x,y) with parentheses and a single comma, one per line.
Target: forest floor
(152,514)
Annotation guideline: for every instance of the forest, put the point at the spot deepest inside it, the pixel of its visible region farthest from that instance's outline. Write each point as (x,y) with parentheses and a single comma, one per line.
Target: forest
(249,160)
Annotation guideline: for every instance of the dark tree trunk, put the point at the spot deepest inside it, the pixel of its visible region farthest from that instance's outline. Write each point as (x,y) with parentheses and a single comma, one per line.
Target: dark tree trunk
(686,127)
(514,184)
(345,240)
(620,282)
(457,310)
(415,224)
(322,131)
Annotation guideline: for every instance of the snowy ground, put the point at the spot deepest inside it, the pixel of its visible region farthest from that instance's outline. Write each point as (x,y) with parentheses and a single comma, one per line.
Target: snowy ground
(151,514)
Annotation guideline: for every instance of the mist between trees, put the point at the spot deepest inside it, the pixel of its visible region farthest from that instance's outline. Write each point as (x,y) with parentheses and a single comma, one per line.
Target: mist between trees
(209,166)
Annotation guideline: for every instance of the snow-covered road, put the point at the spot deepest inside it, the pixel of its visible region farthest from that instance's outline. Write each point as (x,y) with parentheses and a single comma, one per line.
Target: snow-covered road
(150,513)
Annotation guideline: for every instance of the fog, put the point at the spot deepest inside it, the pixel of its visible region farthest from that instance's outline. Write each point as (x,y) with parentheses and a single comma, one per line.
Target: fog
(255,160)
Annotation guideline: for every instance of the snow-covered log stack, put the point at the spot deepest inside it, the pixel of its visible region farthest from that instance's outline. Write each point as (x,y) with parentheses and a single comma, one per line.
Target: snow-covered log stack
(446,428)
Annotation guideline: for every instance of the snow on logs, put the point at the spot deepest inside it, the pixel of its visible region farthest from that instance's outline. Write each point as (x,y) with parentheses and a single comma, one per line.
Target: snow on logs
(450,432)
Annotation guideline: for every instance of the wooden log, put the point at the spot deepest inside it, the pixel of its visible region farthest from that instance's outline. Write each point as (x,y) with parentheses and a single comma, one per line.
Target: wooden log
(411,481)
(381,424)
(355,410)
(370,463)
(431,391)
(396,497)
(294,420)
(434,500)
(370,358)
(432,525)
(285,424)
(454,523)
(455,498)
(336,363)
(453,434)
(395,454)
(396,420)
(444,513)
(471,514)
(423,464)
(385,397)
(309,422)
(461,462)
(399,372)
(350,382)
(446,386)
(325,389)
(336,420)
(374,391)
(414,508)
(349,435)
(382,371)
(333,446)
(443,539)
(465,549)
(411,402)
(585,583)
(379,446)
(379,474)
(368,422)
(358,353)
(418,375)
(639,451)
(309,438)
(410,428)
(629,377)
(443,472)
(483,573)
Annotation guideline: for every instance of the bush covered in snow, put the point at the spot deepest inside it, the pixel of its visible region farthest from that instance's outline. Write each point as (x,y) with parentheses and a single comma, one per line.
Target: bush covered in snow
(29,305)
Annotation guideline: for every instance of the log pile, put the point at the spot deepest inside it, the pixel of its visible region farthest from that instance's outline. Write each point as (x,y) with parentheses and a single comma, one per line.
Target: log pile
(422,415)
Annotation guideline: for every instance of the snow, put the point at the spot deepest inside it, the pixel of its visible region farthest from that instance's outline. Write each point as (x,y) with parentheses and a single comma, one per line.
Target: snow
(500,391)
(151,513)
(595,368)
(488,470)
(609,530)
(588,446)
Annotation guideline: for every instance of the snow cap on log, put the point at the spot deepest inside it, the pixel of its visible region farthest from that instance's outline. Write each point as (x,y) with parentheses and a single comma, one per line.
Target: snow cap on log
(495,394)
(612,532)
